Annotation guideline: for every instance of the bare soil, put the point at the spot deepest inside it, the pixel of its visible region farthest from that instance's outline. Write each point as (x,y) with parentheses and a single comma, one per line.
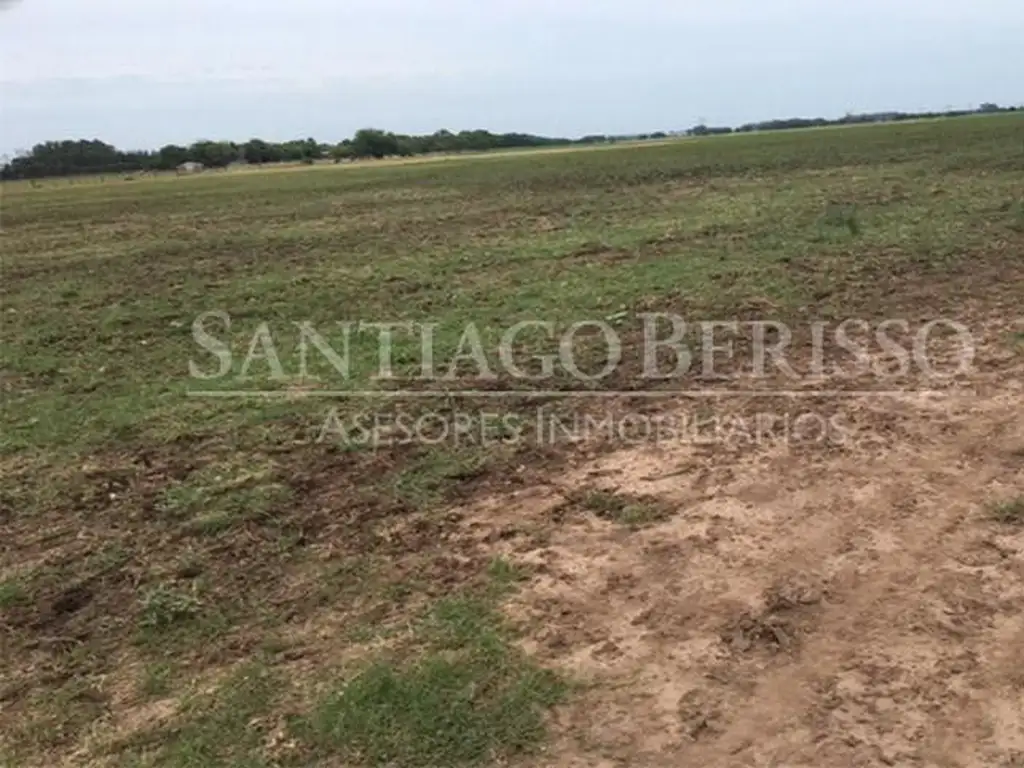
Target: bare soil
(806,605)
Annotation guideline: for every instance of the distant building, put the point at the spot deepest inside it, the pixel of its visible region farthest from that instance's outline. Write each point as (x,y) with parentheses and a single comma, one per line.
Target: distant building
(190,167)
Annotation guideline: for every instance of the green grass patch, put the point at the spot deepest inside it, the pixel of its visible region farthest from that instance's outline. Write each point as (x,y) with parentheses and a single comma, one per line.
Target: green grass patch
(218,498)
(470,698)
(222,728)
(164,607)
(157,681)
(505,575)
(1009,512)
(626,510)
(13,592)
(423,481)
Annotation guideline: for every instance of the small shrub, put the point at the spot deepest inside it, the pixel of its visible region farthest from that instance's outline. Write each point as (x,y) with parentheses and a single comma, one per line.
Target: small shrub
(163,607)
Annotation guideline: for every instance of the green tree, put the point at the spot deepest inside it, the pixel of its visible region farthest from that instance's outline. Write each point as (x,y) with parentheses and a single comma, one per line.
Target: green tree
(371,142)
(171,156)
(214,154)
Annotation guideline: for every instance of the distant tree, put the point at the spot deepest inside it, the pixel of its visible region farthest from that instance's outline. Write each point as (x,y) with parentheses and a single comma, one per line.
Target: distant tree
(341,151)
(214,154)
(442,141)
(171,156)
(68,158)
(257,151)
(311,149)
(371,142)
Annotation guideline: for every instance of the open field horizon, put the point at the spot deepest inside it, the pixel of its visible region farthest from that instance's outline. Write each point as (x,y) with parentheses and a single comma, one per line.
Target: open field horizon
(323,163)
(257,548)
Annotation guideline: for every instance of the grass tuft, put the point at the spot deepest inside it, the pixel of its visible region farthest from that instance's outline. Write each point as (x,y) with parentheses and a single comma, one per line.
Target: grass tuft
(156,681)
(625,510)
(1010,512)
(12,593)
(472,698)
(163,607)
(218,499)
(505,574)
(224,728)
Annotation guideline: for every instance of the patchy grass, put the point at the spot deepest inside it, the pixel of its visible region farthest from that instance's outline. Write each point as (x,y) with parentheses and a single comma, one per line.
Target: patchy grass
(163,607)
(425,480)
(13,592)
(838,215)
(468,698)
(157,680)
(153,520)
(219,728)
(624,509)
(505,574)
(219,498)
(456,692)
(1009,512)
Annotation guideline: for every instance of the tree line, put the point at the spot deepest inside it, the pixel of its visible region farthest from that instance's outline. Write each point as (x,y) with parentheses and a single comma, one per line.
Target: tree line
(69,158)
(850,119)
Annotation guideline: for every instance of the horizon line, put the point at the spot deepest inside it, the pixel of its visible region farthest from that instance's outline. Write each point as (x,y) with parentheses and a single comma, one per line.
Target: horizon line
(755,126)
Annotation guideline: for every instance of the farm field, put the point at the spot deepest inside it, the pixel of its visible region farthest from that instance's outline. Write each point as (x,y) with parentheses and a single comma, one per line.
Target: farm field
(209,559)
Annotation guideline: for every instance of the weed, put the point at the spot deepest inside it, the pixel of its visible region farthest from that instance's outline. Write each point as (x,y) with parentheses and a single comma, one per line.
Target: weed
(1010,512)
(625,510)
(156,680)
(163,607)
(12,593)
(505,574)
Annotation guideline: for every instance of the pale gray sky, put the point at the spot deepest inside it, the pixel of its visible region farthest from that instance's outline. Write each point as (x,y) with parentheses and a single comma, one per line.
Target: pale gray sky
(142,73)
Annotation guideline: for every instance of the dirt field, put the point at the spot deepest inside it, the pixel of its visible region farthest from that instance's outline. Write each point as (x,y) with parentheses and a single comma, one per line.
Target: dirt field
(861,607)
(225,565)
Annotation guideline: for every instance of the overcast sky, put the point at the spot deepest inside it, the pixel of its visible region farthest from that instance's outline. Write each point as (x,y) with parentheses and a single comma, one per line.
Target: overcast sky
(142,73)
